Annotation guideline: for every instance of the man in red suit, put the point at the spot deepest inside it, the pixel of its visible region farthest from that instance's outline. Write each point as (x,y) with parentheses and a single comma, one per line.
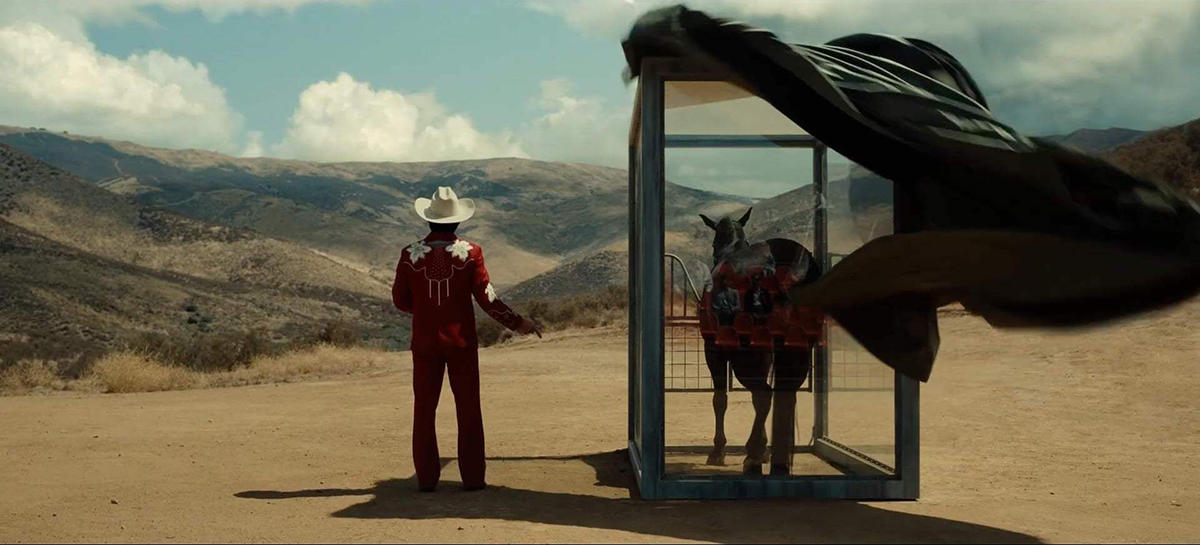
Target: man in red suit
(435,281)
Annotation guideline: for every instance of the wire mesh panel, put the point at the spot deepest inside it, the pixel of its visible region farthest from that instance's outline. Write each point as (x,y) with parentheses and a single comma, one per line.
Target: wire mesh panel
(853,368)
(685,369)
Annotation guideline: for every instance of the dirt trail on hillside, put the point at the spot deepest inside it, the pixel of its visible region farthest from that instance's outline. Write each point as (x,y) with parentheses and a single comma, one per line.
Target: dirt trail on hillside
(1027,437)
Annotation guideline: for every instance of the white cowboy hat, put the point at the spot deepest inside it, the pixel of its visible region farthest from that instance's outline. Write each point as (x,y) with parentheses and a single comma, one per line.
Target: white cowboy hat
(444,207)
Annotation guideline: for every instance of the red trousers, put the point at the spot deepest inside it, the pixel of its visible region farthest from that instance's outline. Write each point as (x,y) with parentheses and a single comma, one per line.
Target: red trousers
(428,369)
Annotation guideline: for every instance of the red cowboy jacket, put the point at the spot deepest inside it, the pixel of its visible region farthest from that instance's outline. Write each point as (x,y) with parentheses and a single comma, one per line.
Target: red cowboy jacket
(435,280)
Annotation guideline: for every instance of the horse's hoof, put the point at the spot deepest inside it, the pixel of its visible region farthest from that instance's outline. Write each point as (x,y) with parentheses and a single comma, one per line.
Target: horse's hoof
(752,468)
(716,459)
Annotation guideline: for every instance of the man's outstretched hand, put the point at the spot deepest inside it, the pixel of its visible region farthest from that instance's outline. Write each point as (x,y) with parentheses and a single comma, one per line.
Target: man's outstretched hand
(527,326)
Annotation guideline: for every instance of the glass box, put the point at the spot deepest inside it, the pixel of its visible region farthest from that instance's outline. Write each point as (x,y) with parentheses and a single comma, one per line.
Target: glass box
(733,393)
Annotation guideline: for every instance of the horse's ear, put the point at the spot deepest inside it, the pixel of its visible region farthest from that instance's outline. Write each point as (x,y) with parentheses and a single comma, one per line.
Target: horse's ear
(746,217)
(710,223)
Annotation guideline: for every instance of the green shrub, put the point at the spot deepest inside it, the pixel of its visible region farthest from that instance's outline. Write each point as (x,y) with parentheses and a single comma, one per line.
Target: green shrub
(339,333)
(598,309)
(490,332)
(71,355)
(204,352)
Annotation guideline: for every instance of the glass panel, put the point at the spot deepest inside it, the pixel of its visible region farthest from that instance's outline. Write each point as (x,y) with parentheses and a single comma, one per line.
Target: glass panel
(635,405)
(861,388)
(722,184)
(714,107)
(736,354)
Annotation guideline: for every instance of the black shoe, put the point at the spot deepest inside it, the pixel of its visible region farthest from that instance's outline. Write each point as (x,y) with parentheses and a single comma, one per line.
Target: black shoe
(475,487)
(427,489)
(780,470)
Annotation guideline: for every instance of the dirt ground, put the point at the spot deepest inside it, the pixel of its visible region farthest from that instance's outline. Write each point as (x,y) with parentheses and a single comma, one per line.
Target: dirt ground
(1026,437)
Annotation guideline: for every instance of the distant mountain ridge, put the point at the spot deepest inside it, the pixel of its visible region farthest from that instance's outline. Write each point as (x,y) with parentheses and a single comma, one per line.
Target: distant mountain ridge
(533,214)
(1097,140)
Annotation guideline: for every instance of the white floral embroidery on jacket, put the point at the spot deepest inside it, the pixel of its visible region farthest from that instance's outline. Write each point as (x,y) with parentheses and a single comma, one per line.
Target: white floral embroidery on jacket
(460,249)
(491,292)
(417,251)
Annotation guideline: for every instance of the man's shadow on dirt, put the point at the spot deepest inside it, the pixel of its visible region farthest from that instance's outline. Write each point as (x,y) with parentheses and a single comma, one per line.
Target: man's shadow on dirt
(743,521)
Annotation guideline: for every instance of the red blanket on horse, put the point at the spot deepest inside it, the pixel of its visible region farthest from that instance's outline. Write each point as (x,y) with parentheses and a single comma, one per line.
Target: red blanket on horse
(744,304)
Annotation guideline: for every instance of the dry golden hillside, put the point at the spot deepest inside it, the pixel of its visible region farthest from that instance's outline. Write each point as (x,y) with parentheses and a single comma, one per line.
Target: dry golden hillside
(86,270)
(1170,155)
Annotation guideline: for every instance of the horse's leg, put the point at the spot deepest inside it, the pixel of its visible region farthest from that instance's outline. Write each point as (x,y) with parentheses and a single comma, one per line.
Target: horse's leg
(791,370)
(720,403)
(756,446)
(718,371)
(752,370)
(783,431)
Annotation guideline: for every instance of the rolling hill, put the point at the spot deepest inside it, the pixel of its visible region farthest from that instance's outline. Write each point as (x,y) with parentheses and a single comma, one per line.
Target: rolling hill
(1170,155)
(1097,140)
(590,273)
(788,215)
(533,214)
(85,270)
(551,230)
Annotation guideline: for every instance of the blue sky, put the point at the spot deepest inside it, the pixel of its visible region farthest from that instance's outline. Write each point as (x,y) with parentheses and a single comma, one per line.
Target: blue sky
(484,59)
(427,80)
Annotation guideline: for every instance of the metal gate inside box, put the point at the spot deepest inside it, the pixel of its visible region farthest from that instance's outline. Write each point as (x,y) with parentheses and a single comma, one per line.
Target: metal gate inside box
(855,421)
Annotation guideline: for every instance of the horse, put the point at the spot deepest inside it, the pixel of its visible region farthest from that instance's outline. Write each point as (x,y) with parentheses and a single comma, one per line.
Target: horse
(749,326)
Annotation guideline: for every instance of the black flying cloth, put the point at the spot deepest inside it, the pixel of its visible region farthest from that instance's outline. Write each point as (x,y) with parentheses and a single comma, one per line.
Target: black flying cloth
(1021,231)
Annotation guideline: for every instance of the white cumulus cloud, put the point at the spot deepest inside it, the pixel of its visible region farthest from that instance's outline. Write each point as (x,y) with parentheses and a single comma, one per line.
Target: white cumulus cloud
(577,128)
(215,9)
(348,120)
(54,77)
(151,98)
(122,10)
(254,145)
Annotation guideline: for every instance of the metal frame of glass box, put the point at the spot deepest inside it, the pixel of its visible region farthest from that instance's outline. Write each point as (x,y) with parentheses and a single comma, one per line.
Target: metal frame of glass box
(865,479)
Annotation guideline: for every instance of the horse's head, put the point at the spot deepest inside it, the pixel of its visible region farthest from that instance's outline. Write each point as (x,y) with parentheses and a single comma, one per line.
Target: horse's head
(729,234)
